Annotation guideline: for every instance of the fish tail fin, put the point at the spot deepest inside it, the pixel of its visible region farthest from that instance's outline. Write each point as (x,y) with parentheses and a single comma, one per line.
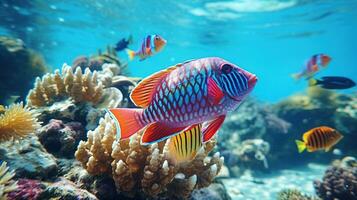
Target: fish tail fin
(300,145)
(127,120)
(296,76)
(131,54)
(313,82)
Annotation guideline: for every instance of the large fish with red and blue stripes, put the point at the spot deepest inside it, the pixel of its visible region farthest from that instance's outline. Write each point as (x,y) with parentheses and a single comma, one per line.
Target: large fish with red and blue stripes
(182,97)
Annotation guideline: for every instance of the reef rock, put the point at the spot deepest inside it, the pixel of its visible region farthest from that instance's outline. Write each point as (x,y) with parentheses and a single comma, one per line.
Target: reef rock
(61,139)
(19,67)
(28,158)
(64,189)
(215,191)
(144,170)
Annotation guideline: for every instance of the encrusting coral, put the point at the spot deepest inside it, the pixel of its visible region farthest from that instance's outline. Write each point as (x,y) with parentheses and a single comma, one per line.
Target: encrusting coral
(138,169)
(17,122)
(6,184)
(293,194)
(57,86)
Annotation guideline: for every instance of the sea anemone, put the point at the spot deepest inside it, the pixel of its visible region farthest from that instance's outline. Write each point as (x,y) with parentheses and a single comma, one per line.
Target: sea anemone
(17,122)
(6,184)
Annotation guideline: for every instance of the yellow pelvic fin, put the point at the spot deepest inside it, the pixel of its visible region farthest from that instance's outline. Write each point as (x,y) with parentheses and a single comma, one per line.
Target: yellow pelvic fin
(300,145)
(131,54)
(184,146)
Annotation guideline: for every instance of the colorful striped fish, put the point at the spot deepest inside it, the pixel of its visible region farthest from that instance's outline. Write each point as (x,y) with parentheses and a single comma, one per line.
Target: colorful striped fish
(322,137)
(172,100)
(184,146)
(151,44)
(315,64)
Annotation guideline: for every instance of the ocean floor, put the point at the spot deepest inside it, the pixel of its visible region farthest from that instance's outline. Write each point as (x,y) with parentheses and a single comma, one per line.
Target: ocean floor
(267,186)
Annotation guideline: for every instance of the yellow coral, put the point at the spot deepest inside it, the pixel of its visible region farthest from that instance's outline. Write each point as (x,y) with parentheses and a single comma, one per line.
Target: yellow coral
(142,169)
(52,87)
(17,122)
(6,185)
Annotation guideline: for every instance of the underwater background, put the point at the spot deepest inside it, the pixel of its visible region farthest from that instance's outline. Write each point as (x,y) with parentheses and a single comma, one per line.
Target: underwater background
(59,143)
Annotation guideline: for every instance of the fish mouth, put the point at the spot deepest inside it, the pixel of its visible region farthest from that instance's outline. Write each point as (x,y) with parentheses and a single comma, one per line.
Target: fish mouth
(252,81)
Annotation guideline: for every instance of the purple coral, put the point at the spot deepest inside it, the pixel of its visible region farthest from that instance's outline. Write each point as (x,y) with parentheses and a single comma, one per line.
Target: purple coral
(27,189)
(61,139)
(338,184)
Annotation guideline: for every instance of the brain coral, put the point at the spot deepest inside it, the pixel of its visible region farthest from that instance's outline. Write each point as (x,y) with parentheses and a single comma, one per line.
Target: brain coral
(145,170)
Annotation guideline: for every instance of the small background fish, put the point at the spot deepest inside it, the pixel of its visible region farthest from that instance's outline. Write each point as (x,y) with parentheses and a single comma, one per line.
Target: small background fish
(123,43)
(151,44)
(332,82)
(322,137)
(315,64)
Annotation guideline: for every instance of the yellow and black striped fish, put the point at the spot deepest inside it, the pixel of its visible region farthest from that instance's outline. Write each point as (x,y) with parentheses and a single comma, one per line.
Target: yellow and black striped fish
(322,137)
(184,146)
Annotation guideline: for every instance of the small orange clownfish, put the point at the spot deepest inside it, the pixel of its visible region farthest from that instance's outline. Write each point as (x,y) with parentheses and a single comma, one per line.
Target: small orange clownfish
(319,138)
(151,44)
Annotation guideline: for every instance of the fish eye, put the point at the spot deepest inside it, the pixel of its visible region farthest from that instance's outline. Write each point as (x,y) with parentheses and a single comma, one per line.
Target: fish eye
(226,68)
(156,38)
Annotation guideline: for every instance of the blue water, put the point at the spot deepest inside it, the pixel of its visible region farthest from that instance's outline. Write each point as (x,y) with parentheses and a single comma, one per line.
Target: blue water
(272,38)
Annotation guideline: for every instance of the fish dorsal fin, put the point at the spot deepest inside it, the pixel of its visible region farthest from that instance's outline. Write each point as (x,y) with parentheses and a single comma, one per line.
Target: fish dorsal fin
(305,137)
(143,93)
(184,146)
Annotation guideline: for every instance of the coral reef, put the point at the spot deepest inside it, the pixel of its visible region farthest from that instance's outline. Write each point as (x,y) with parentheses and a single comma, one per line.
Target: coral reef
(19,67)
(17,122)
(6,184)
(293,194)
(74,96)
(28,158)
(95,62)
(64,189)
(338,183)
(215,191)
(254,152)
(55,87)
(61,139)
(138,170)
(26,189)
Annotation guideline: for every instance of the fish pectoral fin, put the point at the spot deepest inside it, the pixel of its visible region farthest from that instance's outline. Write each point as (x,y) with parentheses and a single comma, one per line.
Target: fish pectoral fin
(157,132)
(143,93)
(215,93)
(212,127)
(184,146)
(327,149)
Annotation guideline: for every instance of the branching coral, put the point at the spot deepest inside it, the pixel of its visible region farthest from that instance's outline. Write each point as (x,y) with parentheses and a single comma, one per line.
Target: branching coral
(54,87)
(6,185)
(138,169)
(17,122)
